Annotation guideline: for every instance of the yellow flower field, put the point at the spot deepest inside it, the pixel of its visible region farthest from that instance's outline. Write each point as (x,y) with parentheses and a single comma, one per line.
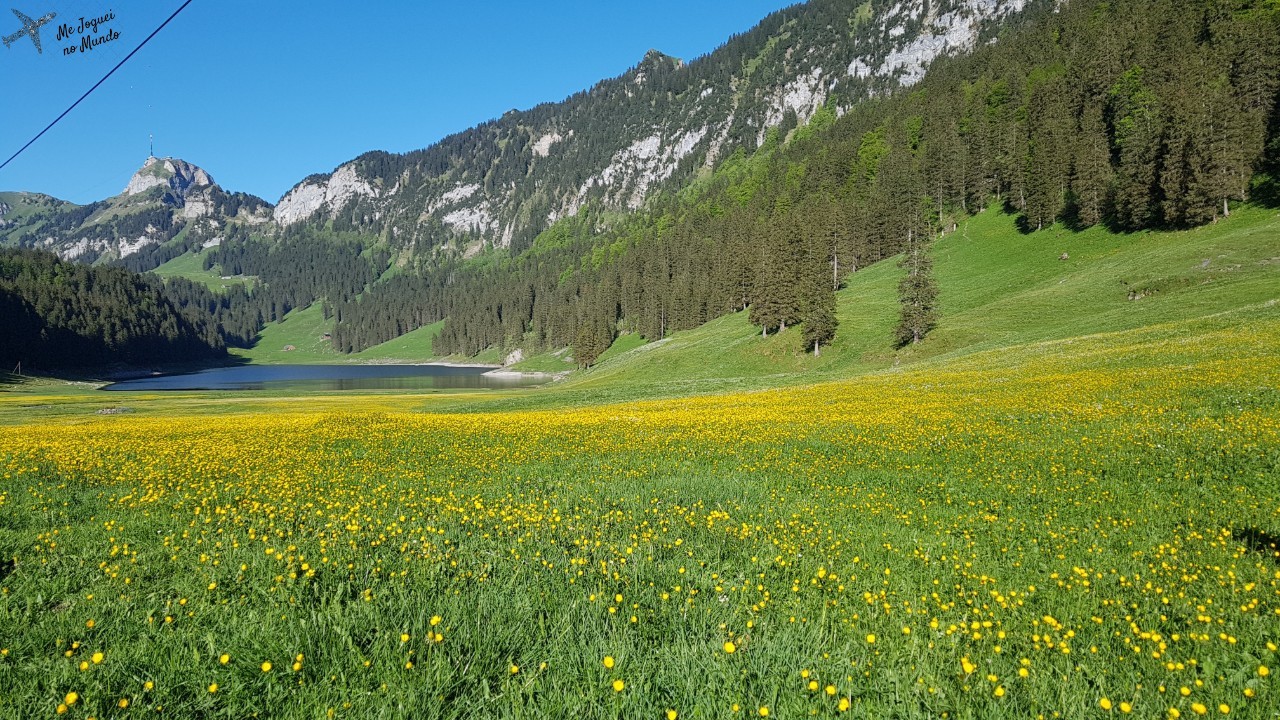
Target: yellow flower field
(1079,529)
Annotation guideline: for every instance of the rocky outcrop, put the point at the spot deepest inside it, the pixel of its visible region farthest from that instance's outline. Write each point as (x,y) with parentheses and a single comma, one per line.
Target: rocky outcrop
(664,118)
(331,193)
(956,30)
(178,177)
(165,198)
(198,205)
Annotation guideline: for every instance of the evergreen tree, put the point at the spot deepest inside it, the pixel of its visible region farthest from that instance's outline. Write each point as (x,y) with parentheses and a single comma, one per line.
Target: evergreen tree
(817,301)
(1136,127)
(917,293)
(1091,173)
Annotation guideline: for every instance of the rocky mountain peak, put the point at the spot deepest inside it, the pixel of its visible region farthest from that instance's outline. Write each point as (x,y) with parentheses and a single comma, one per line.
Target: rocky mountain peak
(655,60)
(178,176)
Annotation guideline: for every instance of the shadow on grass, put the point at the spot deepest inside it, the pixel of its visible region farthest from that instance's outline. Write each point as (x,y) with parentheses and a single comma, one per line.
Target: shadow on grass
(1266,193)
(1259,541)
(117,371)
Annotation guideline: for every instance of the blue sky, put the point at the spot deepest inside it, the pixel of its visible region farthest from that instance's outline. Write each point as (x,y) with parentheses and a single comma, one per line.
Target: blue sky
(262,94)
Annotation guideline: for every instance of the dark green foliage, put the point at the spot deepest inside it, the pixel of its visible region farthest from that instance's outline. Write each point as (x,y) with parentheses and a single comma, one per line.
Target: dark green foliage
(59,315)
(1134,113)
(817,300)
(1088,196)
(917,293)
(1137,124)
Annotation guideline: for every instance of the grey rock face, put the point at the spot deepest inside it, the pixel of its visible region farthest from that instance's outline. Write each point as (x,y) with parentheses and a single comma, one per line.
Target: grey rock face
(179,176)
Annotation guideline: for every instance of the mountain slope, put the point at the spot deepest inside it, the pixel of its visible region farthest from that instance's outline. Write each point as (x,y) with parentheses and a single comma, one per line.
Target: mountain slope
(1000,288)
(502,182)
(169,206)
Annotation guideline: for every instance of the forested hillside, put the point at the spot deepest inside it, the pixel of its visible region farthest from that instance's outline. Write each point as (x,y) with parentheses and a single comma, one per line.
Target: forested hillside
(1132,114)
(1135,114)
(650,130)
(66,315)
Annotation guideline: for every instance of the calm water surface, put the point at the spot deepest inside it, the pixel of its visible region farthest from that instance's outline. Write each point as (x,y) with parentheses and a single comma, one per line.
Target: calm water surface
(331,377)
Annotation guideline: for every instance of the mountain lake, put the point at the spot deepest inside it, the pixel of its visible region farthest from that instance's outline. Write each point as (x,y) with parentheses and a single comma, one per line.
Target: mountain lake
(335,377)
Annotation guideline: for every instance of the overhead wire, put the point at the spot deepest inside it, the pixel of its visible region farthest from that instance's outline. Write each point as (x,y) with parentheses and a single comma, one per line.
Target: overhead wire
(95,85)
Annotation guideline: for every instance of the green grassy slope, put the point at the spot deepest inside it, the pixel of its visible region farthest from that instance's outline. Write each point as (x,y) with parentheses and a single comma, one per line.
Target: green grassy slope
(22,206)
(303,329)
(191,266)
(998,287)
(413,346)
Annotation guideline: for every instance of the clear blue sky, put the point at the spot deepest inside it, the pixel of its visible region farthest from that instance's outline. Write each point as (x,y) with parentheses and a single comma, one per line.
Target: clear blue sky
(262,94)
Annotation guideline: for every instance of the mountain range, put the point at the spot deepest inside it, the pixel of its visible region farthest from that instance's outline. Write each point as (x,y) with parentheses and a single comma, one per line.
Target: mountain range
(659,125)
(756,178)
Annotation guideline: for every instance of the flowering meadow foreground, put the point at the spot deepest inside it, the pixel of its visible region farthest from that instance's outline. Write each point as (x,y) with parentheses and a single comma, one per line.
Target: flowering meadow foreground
(1074,529)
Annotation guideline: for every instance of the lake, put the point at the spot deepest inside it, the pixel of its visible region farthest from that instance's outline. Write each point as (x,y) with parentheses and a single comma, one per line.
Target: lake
(332,377)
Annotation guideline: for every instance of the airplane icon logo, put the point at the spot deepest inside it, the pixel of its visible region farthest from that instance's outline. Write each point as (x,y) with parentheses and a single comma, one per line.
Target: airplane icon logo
(29,27)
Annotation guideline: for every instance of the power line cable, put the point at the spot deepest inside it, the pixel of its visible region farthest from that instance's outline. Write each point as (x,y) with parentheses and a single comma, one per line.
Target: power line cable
(95,87)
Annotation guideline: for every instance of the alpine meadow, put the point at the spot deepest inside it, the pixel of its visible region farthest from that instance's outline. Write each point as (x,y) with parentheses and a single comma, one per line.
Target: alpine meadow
(912,360)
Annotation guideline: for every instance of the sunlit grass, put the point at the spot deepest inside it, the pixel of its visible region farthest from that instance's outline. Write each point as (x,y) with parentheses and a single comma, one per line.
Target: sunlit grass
(1024,532)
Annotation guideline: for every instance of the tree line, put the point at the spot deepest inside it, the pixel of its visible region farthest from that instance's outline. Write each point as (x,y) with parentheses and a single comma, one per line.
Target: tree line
(63,315)
(1134,114)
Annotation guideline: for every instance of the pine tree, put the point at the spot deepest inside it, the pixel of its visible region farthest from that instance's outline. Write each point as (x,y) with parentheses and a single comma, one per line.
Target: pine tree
(1048,152)
(1136,125)
(917,292)
(586,348)
(774,301)
(817,301)
(1091,173)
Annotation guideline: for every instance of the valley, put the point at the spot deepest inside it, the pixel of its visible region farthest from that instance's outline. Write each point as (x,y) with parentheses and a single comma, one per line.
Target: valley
(891,360)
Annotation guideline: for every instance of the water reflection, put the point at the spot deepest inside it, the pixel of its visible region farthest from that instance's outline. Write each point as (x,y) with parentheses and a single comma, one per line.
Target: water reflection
(333,377)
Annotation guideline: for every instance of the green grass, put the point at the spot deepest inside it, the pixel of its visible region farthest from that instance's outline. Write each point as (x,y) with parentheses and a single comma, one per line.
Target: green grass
(22,206)
(191,266)
(552,361)
(998,287)
(1060,481)
(413,346)
(304,329)
(1000,506)
(298,338)
(622,344)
